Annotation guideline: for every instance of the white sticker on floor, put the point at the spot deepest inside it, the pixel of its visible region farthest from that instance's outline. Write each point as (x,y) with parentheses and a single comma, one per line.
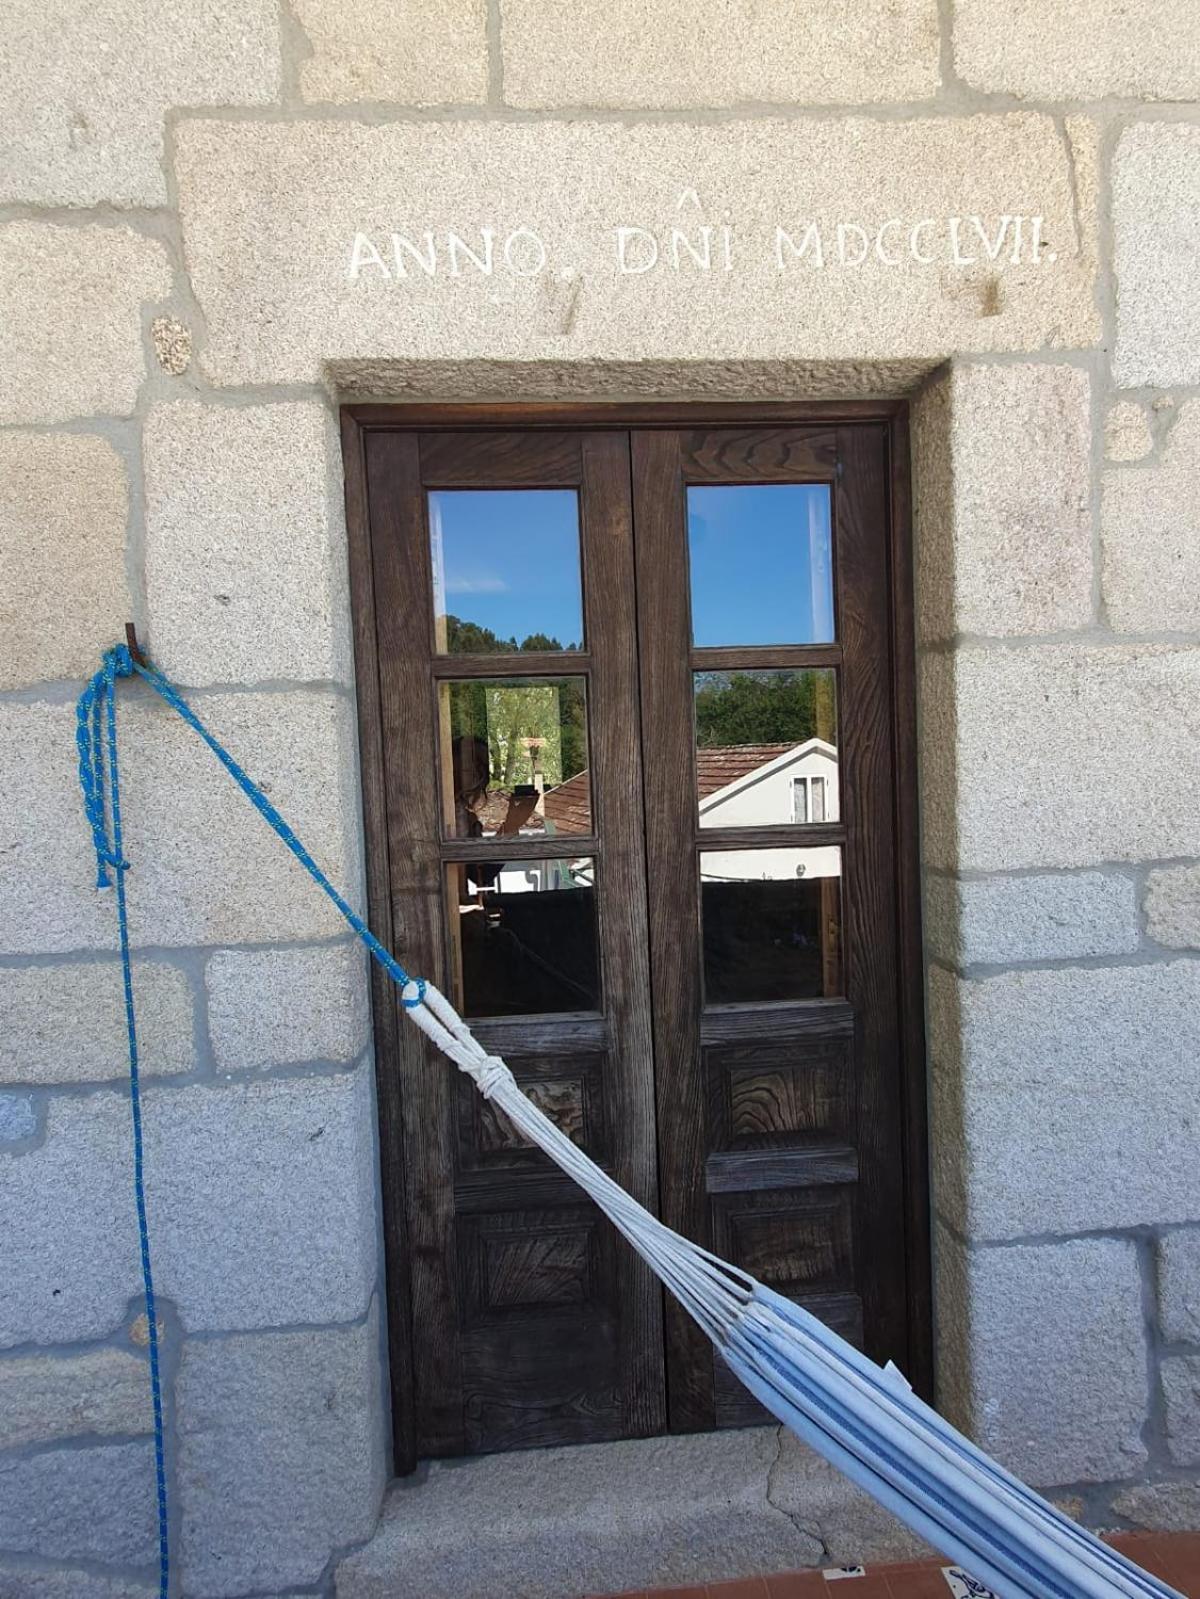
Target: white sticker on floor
(964,1587)
(834,1572)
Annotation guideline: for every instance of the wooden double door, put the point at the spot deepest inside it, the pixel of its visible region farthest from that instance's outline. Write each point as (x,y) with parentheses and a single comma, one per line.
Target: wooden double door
(636,736)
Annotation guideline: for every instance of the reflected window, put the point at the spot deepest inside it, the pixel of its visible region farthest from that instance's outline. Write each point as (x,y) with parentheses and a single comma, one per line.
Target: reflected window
(514,757)
(771,924)
(506,573)
(524,936)
(761,564)
(766,747)
(808,799)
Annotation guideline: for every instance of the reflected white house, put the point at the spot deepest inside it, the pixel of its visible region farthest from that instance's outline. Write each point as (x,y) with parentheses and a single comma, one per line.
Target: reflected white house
(767,785)
(741,785)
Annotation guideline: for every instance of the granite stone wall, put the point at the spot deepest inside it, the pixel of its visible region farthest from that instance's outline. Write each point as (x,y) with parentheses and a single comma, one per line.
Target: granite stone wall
(186,191)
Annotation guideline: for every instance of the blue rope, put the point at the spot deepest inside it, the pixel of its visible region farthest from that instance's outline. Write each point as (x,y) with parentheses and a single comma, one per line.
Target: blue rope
(96,741)
(97,715)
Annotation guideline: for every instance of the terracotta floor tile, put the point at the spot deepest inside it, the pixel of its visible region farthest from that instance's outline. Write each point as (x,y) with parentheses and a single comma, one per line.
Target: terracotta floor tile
(1174,1557)
(918,1580)
(873,1586)
(1182,1560)
(797,1585)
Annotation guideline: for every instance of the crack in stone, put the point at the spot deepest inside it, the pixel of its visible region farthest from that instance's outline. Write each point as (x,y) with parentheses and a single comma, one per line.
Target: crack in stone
(811,1533)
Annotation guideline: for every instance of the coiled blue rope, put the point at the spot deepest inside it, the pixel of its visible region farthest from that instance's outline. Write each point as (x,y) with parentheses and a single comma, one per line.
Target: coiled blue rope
(99,778)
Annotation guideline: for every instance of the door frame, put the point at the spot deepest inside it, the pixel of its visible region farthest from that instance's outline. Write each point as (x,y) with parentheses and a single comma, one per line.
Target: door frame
(357,421)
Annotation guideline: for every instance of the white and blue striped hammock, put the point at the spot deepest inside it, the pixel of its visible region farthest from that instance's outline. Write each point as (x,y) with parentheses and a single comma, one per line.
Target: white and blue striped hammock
(864,1419)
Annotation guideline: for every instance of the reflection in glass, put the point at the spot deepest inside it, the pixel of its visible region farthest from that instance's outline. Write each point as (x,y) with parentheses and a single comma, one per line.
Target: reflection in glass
(771,924)
(523,936)
(505,570)
(514,756)
(761,564)
(766,747)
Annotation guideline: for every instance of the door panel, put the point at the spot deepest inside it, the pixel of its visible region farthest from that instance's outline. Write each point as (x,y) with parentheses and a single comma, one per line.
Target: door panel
(530,1326)
(772,956)
(633,703)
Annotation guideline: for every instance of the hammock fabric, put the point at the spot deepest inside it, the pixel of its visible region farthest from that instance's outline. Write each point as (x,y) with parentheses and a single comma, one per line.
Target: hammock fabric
(861,1417)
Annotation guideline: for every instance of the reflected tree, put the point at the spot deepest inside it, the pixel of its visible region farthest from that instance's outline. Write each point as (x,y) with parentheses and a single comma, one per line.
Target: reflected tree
(783,707)
(504,714)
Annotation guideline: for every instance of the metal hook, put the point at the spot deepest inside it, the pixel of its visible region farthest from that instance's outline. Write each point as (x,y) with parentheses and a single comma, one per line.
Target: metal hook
(131,640)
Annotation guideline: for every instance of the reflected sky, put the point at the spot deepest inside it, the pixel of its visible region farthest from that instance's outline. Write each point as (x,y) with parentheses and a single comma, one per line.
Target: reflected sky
(507,560)
(761,567)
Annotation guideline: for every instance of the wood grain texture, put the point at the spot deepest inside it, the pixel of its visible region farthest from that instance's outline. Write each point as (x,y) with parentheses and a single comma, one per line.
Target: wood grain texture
(862,533)
(664,635)
(379,916)
(642,414)
(910,957)
(499,460)
(758,455)
(616,746)
(765,657)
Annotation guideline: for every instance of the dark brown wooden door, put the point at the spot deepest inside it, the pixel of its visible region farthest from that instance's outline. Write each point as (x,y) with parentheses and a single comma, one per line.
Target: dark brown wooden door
(766,671)
(633,701)
(529,1323)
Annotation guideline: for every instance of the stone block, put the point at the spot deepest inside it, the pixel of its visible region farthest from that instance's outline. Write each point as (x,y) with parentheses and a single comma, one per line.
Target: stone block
(71,1266)
(624,53)
(1073,1054)
(280,1455)
(205,867)
(246,566)
(63,589)
(426,52)
(1181,1402)
(1056,1352)
(47,1397)
(84,90)
(1161,1506)
(82,1504)
(1156,220)
(1042,50)
(825,1505)
(1008,549)
(66,1023)
(1173,906)
(1001,920)
(277,1007)
(1038,756)
(261,1196)
(1127,435)
(1150,527)
(555,1523)
(61,1582)
(298,298)
(71,338)
(1179,1287)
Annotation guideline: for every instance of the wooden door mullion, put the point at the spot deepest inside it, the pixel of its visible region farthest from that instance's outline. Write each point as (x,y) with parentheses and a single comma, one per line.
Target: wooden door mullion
(664,640)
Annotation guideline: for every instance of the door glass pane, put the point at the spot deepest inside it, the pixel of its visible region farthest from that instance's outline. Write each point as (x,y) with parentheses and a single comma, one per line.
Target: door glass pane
(771,922)
(523,936)
(514,756)
(766,746)
(505,570)
(761,564)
